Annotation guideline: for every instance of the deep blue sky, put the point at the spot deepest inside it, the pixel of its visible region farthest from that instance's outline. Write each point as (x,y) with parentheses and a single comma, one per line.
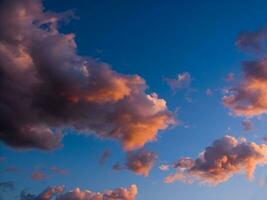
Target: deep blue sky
(156,39)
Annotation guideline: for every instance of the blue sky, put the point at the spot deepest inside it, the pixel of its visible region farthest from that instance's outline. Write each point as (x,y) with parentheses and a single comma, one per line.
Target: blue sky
(156,40)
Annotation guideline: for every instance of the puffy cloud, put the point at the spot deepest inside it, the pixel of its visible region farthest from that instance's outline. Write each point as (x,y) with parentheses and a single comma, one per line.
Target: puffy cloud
(249,98)
(220,161)
(117,194)
(47,194)
(141,162)
(76,194)
(46,86)
(38,175)
(247,125)
(182,81)
(105,155)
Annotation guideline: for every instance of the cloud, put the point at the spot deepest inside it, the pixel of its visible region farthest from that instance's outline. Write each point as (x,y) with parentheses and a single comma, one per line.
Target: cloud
(247,125)
(252,41)
(117,194)
(182,81)
(47,194)
(8,185)
(117,167)
(105,155)
(220,161)
(230,77)
(57,170)
(46,86)
(209,92)
(38,176)
(141,162)
(249,98)
(164,167)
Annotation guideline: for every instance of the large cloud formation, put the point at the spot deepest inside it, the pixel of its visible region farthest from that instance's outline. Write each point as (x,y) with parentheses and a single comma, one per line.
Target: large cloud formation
(45,86)
(249,98)
(76,194)
(141,162)
(220,161)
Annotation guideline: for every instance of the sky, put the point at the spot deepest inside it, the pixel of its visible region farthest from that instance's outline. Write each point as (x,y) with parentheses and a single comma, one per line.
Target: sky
(125,100)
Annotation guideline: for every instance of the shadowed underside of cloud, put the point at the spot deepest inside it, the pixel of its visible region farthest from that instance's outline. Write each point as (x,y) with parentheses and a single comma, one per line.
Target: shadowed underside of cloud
(141,162)
(249,98)
(76,194)
(45,86)
(220,161)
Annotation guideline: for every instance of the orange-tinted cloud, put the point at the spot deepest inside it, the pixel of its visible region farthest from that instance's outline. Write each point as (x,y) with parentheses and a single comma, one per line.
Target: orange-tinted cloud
(38,176)
(141,162)
(249,98)
(47,194)
(220,161)
(76,194)
(47,86)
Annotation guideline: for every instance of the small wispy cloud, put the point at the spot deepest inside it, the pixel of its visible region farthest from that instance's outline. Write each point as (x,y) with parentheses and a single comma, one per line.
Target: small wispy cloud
(182,81)
(104,157)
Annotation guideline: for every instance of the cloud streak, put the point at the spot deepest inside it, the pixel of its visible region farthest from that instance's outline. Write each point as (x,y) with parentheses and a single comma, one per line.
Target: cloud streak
(46,86)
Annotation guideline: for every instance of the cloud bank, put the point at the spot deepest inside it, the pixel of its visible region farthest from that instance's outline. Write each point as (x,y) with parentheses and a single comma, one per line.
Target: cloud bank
(46,86)
(220,161)
(76,194)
